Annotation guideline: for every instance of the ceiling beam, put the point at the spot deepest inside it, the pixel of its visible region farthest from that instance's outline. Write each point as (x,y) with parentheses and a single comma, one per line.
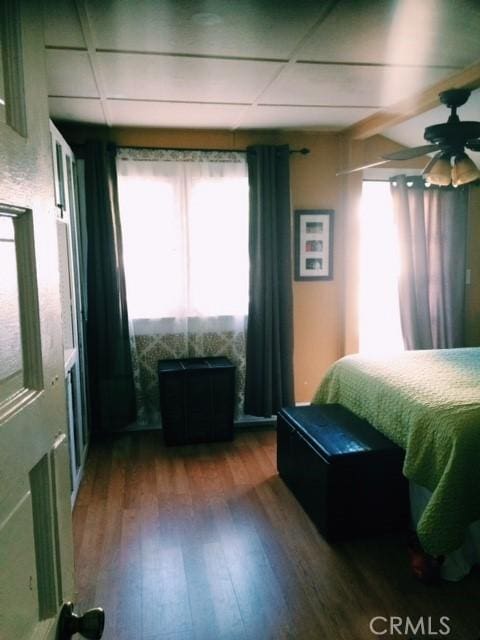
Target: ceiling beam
(413,106)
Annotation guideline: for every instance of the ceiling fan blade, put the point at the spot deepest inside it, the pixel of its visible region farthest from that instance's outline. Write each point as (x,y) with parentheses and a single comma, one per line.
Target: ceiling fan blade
(473,145)
(415,152)
(364,166)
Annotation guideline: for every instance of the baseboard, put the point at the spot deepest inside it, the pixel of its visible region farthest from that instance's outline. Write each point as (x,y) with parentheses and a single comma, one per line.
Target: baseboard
(255,422)
(244,422)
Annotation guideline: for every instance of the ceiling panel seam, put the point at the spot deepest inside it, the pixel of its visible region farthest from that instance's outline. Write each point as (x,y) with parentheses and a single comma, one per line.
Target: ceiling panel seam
(201,56)
(219,104)
(160,101)
(386,65)
(58,47)
(63,97)
(285,61)
(326,10)
(319,106)
(87,30)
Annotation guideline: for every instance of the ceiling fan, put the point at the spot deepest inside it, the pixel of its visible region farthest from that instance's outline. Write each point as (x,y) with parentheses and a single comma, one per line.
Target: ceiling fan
(450,164)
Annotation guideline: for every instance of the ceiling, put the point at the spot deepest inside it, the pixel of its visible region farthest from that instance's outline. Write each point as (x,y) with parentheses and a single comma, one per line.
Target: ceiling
(255,64)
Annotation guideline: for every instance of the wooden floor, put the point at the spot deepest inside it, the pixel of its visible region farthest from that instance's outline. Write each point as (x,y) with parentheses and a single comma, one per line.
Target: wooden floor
(206,542)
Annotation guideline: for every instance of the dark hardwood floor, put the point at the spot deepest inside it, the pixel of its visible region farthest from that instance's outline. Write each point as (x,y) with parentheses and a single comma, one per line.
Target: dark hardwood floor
(206,542)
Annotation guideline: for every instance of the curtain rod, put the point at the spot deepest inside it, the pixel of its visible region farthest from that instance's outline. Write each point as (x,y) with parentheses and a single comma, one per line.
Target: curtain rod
(303,151)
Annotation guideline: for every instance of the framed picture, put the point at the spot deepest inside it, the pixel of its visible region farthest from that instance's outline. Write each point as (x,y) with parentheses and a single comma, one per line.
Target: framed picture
(314,244)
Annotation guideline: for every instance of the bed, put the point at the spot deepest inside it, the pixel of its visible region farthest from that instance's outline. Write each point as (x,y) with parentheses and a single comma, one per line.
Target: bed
(427,402)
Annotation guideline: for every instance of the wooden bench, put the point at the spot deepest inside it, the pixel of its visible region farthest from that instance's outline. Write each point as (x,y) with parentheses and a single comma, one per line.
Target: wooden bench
(345,474)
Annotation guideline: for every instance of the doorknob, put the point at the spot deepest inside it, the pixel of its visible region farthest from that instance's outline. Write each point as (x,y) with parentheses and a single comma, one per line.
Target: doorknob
(90,625)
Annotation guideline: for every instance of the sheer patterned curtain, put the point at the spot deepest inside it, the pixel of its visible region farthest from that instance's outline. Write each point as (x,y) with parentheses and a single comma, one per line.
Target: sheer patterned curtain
(185,228)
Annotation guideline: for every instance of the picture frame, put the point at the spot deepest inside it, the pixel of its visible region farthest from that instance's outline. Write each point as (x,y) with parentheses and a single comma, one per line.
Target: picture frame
(313,253)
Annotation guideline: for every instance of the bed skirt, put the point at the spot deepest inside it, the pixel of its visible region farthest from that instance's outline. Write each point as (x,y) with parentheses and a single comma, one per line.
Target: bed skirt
(459,563)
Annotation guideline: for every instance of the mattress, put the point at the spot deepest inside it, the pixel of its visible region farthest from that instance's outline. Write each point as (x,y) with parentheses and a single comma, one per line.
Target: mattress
(428,402)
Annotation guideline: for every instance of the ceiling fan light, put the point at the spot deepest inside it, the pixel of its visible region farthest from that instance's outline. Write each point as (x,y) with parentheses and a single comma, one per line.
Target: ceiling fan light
(438,172)
(464,170)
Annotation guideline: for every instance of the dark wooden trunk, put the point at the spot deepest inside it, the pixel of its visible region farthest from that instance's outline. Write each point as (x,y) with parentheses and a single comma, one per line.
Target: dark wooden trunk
(196,399)
(346,474)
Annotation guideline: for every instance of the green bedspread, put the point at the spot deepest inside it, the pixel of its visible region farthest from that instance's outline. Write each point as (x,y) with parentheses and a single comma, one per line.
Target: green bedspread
(428,402)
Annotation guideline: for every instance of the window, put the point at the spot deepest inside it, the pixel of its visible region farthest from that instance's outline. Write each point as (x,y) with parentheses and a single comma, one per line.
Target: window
(185,242)
(20,349)
(185,238)
(11,359)
(379,313)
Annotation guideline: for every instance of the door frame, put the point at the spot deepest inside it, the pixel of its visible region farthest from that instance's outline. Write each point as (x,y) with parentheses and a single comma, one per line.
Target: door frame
(68,220)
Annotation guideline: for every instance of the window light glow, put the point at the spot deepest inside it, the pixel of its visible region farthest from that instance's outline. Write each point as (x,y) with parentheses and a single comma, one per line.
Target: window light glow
(379,314)
(405,47)
(218,235)
(185,264)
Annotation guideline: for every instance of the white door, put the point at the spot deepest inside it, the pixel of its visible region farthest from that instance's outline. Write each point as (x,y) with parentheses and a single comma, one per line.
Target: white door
(36,566)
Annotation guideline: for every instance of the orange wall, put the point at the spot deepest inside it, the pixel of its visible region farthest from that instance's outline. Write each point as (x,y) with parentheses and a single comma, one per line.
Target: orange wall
(325,312)
(318,322)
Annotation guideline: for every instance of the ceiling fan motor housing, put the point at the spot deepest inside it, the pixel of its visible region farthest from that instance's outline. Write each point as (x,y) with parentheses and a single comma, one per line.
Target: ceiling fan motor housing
(454,98)
(452,134)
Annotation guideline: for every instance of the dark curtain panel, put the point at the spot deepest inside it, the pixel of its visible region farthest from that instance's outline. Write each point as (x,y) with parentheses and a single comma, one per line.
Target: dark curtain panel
(269,367)
(109,361)
(432,228)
